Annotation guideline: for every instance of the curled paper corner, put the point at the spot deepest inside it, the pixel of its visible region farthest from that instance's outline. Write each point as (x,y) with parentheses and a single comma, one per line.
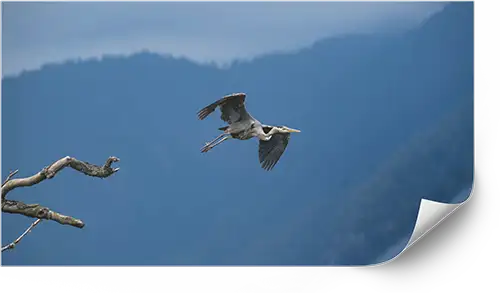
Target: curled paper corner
(430,214)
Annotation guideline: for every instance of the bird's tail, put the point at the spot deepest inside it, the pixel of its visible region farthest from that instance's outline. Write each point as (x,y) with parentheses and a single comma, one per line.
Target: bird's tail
(224,128)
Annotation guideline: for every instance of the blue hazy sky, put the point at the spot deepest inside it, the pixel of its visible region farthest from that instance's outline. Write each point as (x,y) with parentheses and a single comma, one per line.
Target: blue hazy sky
(386,120)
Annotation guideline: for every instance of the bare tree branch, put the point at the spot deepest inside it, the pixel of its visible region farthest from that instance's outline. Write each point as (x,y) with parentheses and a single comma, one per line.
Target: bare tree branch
(40,212)
(15,242)
(9,177)
(51,170)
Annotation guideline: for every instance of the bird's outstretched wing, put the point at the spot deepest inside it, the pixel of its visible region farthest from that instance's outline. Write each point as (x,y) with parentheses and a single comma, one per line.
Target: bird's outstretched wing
(270,151)
(232,108)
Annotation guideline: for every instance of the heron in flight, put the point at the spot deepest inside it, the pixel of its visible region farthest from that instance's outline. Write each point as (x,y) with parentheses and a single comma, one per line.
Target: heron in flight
(273,140)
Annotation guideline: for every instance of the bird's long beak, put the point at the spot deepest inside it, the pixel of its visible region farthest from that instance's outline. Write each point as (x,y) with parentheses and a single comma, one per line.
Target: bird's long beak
(293,130)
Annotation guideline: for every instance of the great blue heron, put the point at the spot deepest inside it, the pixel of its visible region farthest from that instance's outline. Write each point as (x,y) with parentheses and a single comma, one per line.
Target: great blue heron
(273,140)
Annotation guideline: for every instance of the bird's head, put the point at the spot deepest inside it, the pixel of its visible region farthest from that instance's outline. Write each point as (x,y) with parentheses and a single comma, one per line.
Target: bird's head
(285,129)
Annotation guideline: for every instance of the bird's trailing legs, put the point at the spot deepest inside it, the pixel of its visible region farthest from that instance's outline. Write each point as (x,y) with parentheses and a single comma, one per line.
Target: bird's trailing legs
(215,139)
(213,143)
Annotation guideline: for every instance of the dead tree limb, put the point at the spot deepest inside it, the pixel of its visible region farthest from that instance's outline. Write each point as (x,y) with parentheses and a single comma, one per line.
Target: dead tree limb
(40,212)
(15,242)
(10,176)
(51,170)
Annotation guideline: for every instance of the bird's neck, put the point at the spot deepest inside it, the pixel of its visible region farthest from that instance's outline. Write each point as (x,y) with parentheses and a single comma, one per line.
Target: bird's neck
(269,135)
